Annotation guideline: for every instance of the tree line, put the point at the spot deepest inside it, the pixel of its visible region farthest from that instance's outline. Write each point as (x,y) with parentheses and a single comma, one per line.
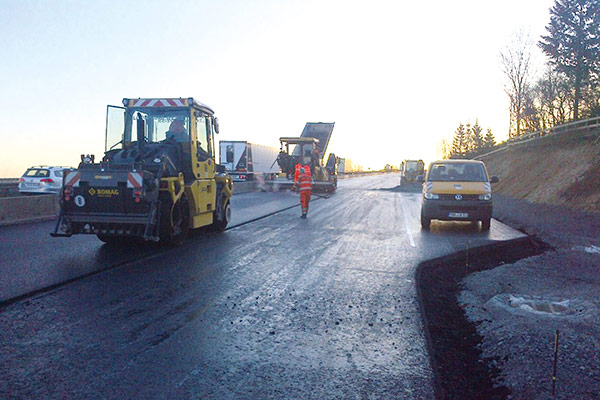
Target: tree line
(568,89)
(468,142)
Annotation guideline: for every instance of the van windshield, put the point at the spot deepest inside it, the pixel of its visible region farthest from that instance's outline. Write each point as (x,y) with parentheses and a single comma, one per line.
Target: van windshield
(465,172)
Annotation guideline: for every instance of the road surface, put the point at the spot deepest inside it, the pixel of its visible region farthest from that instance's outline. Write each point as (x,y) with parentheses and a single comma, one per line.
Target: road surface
(279,308)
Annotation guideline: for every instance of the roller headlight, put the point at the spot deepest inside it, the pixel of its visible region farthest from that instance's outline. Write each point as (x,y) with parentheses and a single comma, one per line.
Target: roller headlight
(487,196)
(431,196)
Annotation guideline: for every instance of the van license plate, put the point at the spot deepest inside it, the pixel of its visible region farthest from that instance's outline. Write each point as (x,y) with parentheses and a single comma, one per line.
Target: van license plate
(458,215)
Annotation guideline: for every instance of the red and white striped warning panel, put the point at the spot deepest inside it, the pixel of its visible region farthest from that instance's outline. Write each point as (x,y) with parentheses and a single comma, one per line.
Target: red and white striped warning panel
(160,103)
(134,180)
(72,178)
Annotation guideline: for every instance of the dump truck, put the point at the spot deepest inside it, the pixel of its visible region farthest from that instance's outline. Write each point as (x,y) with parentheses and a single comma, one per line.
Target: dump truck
(410,170)
(309,149)
(245,161)
(157,179)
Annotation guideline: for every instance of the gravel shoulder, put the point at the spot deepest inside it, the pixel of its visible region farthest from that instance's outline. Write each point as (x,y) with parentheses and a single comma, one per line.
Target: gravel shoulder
(518,307)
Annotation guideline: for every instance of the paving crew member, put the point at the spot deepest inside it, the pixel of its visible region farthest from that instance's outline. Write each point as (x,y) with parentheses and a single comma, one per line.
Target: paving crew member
(297,173)
(305,183)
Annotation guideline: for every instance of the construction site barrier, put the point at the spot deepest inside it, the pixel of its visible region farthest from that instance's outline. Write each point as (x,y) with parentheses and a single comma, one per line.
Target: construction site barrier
(28,208)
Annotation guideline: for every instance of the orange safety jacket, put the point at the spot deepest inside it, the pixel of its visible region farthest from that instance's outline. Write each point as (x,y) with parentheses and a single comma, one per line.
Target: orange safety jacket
(305,182)
(297,173)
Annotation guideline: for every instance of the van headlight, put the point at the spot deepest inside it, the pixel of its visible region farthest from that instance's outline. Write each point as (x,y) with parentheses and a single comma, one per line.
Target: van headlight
(487,196)
(431,196)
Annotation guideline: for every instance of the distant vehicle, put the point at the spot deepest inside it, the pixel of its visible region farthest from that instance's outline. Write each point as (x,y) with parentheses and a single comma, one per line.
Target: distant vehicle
(410,170)
(42,180)
(244,161)
(457,190)
(346,166)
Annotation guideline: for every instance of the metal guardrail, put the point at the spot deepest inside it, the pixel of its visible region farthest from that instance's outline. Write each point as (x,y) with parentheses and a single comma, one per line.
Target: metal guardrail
(568,127)
(589,123)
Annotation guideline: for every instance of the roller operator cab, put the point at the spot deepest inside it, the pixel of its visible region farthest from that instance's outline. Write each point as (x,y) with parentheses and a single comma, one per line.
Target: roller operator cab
(457,190)
(158,177)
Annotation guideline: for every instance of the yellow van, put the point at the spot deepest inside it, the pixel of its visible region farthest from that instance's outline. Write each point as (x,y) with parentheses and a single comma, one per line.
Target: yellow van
(457,190)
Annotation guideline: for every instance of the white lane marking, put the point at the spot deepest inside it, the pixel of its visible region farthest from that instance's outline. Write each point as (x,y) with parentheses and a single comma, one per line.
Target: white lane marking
(405,215)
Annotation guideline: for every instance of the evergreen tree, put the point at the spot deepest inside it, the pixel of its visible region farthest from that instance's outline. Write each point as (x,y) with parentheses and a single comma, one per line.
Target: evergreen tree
(468,147)
(489,140)
(573,43)
(476,137)
(459,143)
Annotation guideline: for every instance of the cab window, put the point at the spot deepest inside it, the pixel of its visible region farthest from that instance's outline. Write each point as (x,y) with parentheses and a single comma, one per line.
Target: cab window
(203,146)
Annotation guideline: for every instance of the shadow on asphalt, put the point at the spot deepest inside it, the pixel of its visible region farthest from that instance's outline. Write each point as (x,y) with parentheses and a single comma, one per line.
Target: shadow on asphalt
(407,188)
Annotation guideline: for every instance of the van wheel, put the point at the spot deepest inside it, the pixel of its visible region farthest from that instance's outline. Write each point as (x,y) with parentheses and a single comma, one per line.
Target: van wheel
(425,222)
(485,225)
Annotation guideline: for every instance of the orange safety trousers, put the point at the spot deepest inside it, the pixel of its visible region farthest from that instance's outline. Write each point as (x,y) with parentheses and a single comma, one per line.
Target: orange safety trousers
(304,200)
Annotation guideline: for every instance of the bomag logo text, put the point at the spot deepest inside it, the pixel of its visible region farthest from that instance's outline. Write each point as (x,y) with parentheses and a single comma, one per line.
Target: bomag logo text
(107,192)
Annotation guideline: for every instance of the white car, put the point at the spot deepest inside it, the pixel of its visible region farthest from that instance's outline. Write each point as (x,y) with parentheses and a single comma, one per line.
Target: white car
(42,179)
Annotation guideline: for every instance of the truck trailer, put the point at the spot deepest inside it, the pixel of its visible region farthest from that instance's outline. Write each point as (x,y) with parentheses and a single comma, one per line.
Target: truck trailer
(244,161)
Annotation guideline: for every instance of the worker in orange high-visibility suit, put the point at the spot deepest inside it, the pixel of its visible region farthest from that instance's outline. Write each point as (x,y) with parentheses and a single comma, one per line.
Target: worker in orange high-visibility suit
(297,173)
(305,184)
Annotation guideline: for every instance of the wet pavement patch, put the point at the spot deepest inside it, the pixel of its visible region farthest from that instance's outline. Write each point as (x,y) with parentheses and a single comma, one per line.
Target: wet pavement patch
(460,371)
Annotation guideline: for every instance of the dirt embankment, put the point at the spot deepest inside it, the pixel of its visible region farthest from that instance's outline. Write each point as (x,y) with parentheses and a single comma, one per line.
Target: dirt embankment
(549,188)
(562,171)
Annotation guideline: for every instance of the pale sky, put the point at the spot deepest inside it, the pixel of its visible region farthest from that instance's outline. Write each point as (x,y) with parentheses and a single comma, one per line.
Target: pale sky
(396,77)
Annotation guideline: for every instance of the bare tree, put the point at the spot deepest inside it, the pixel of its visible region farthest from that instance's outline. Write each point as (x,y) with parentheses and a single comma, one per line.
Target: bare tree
(553,99)
(516,65)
